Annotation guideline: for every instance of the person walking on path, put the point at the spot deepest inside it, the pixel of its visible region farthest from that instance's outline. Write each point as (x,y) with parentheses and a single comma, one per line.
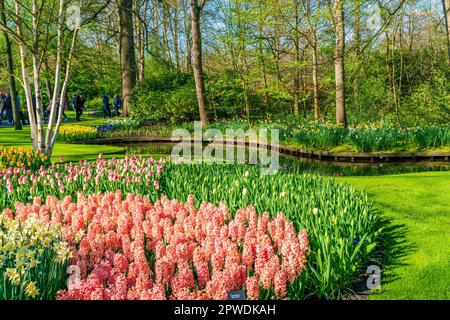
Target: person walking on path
(21,114)
(117,104)
(78,103)
(65,106)
(8,107)
(2,106)
(106,107)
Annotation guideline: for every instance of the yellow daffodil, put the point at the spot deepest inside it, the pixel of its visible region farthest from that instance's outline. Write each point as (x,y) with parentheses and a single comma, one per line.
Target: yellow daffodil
(31,290)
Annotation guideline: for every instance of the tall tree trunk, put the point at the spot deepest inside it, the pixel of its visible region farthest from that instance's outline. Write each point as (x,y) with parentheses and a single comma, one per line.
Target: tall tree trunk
(155,29)
(127,54)
(446,7)
(63,92)
(36,79)
(261,55)
(312,39)
(10,62)
(411,33)
(166,48)
(297,60)
(140,38)
(341,117)
(357,30)
(357,44)
(187,31)
(25,79)
(243,70)
(315,65)
(197,61)
(175,34)
(55,97)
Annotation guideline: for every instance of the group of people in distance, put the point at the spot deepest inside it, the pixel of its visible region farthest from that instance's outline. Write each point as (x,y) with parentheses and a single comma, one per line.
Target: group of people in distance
(78,105)
(6,107)
(106,107)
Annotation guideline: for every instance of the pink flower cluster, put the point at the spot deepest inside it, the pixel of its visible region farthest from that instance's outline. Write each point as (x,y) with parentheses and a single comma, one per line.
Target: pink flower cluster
(137,174)
(129,248)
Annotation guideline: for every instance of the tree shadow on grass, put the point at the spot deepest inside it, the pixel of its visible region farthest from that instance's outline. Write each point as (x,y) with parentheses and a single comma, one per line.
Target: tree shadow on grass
(393,247)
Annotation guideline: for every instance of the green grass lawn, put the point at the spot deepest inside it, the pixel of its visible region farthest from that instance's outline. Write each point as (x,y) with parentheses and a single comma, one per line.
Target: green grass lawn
(71,152)
(416,208)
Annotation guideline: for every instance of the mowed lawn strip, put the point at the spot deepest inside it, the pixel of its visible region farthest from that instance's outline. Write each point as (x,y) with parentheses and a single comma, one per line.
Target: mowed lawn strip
(417,207)
(71,152)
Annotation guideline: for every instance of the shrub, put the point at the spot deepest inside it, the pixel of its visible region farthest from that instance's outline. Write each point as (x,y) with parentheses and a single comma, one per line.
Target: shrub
(94,104)
(169,97)
(225,96)
(126,124)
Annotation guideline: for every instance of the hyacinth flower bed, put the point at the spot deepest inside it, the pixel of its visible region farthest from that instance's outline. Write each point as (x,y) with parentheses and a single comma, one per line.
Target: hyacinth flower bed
(129,248)
(341,224)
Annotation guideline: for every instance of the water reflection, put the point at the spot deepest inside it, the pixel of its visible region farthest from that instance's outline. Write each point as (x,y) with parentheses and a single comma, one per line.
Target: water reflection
(294,165)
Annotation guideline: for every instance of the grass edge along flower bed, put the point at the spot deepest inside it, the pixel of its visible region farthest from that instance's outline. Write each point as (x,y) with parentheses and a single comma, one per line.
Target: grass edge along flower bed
(129,248)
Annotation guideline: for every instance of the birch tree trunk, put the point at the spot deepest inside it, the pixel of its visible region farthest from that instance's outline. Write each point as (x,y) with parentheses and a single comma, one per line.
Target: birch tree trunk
(25,78)
(34,40)
(63,92)
(36,79)
(56,87)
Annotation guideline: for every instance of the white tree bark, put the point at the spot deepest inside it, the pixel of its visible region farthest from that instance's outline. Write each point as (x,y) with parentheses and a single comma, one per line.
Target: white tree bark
(44,140)
(36,79)
(25,78)
(55,97)
(63,92)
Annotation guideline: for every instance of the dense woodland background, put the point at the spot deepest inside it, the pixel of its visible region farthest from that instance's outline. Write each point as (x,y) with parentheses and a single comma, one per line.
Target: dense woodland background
(388,61)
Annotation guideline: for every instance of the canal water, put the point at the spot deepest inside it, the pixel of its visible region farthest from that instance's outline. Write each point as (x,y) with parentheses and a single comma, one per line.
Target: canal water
(291,164)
